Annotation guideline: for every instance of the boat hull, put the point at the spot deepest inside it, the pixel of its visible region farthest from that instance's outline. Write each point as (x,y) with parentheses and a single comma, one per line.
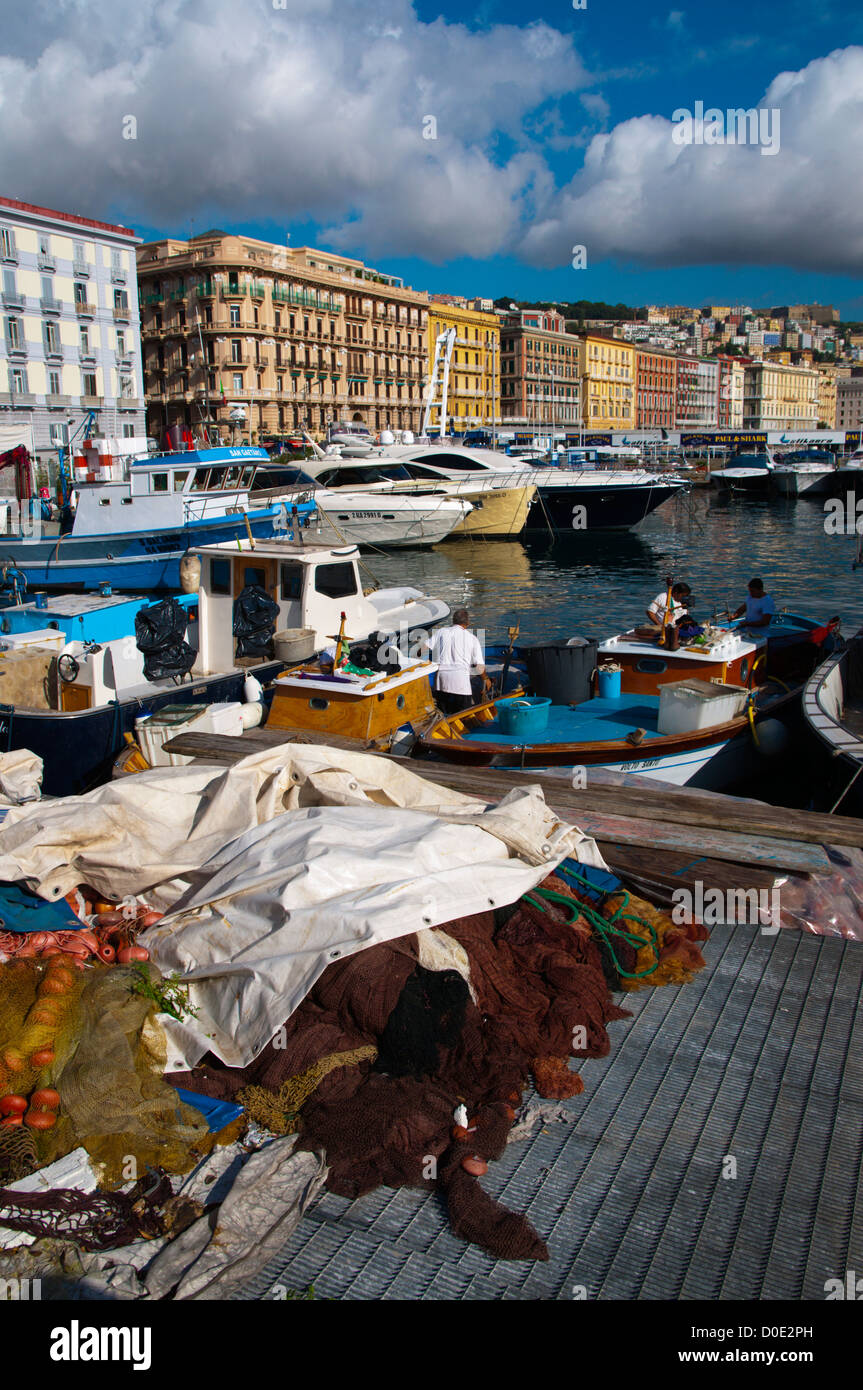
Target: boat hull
(78,747)
(129,560)
(600,506)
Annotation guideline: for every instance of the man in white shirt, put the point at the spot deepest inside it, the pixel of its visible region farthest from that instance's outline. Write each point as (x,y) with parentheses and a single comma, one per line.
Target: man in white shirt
(457,653)
(680,596)
(759,607)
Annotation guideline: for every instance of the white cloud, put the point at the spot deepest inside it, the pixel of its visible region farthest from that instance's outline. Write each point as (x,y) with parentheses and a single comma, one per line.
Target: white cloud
(246,112)
(640,197)
(314,111)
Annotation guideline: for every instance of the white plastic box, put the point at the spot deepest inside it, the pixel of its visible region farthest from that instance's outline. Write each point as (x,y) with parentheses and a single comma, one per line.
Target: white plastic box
(691,704)
(153,730)
(39,637)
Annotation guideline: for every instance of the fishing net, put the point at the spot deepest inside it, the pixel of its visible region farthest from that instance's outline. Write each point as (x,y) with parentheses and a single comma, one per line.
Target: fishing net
(279,1111)
(114,1100)
(100,1220)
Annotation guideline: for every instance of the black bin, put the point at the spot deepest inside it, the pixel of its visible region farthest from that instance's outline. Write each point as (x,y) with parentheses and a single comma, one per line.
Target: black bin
(561,669)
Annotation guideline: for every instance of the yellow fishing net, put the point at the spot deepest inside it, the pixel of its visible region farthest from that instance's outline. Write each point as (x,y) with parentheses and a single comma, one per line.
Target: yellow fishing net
(278,1110)
(99,1045)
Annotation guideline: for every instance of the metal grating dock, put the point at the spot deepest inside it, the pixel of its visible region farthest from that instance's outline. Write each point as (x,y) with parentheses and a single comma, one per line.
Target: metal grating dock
(760,1059)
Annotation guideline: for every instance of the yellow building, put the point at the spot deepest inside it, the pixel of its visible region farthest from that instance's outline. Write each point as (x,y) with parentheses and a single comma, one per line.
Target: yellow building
(826,396)
(607,372)
(473,396)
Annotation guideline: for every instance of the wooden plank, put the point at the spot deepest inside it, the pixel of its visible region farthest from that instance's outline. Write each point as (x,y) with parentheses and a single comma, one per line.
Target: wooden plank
(771,852)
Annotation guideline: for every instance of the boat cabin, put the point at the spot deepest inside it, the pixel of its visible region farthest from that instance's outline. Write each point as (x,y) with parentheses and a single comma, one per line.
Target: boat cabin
(721,654)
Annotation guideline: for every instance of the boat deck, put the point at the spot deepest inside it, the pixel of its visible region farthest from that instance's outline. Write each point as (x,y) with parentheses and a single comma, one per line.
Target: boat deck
(759,1059)
(591,721)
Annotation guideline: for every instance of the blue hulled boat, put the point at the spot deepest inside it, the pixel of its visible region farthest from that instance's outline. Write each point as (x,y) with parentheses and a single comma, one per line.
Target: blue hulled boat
(136,517)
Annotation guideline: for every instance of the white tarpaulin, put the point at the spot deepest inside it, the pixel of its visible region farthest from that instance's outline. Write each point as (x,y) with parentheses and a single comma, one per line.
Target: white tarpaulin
(262,900)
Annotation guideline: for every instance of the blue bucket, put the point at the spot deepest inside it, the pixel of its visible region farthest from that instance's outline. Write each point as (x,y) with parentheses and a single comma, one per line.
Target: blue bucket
(608,684)
(523,715)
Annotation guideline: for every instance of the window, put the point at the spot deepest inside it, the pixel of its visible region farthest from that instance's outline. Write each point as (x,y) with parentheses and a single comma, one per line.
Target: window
(291,580)
(128,431)
(237,350)
(235,315)
(121,343)
(89,386)
(280,384)
(47,290)
(254,574)
(336,581)
(80,293)
(220,576)
(51,338)
(57,434)
(180,480)
(14,335)
(158,482)
(127,388)
(7,244)
(85,342)
(17,381)
(121,301)
(238,381)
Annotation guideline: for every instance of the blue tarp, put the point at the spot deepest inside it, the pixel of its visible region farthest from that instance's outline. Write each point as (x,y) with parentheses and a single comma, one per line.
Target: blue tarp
(23,911)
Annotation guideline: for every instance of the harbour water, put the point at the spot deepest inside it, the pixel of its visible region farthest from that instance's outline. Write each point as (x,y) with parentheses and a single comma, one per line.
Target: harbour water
(601,583)
(598,584)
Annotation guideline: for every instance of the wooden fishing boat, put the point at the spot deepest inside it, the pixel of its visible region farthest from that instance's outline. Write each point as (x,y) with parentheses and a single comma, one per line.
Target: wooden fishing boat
(702,715)
(833,710)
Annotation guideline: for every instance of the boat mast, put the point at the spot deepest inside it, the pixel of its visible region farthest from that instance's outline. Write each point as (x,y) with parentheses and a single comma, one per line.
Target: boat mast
(204,369)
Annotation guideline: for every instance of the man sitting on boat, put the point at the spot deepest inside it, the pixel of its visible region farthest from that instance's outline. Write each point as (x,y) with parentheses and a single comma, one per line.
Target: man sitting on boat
(677,610)
(759,607)
(458,653)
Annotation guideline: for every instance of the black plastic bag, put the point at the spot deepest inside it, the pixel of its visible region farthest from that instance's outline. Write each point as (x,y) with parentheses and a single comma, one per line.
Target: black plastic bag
(160,637)
(255,615)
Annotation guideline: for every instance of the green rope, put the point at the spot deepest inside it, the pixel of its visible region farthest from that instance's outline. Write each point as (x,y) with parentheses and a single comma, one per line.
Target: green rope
(605,926)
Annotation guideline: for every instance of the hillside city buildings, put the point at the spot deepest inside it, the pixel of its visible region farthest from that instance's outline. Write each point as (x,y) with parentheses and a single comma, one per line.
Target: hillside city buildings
(232,335)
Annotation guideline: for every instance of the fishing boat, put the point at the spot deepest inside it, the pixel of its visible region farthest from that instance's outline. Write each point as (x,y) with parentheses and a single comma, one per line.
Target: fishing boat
(80,670)
(833,710)
(700,714)
(750,473)
(136,517)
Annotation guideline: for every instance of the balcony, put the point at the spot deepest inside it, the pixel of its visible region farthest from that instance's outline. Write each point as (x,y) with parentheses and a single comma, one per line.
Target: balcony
(87,355)
(121,313)
(241,361)
(92,402)
(15,349)
(257,289)
(263,362)
(237,292)
(45,261)
(53,353)
(206,291)
(81,269)
(57,402)
(17,399)
(129,403)
(51,306)
(12,299)
(85,310)
(118,277)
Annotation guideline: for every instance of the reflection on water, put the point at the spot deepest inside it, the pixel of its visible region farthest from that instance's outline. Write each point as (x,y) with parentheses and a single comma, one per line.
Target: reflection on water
(600,583)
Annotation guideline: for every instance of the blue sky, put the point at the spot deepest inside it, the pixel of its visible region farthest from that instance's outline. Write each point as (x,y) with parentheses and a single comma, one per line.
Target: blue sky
(554,130)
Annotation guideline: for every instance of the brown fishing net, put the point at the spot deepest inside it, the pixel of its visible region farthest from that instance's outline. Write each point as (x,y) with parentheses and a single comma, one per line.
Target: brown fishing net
(279,1111)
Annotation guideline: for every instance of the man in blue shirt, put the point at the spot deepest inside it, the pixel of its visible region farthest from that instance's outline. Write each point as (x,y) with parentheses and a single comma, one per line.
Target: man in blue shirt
(759,607)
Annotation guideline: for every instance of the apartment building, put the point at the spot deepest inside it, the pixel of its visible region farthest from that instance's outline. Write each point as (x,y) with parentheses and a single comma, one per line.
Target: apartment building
(777,397)
(70,346)
(540,371)
(473,391)
(730,399)
(655,386)
(826,396)
(607,371)
(849,402)
(238,328)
